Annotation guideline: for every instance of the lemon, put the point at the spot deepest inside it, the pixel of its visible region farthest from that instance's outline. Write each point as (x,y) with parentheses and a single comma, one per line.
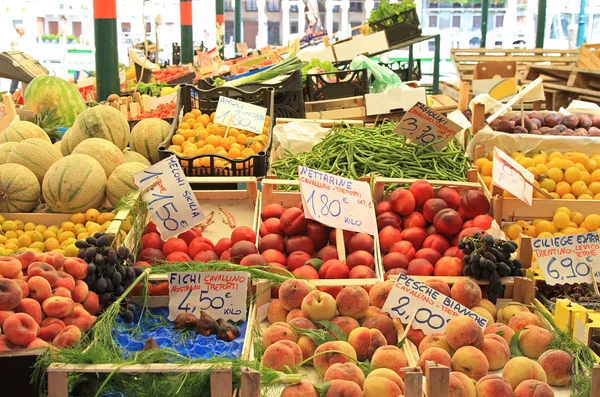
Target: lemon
(564,164)
(65,236)
(83,236)
(595,176)
(549,184)
(561,220)
(514,231)
(577,218)
(544,234)
(49,234)
(568,196)
(51,244)
(544,226)
(93,227)
(11,247)
(92,215)
(563,188)
(527,162)
(53,228)
(24,241)
(8,226)
(2,239)
(580,167)
(19,224)
(555,174)
(522,223)
(597,196)
(555,155)
(592,166)
(582,230)
(539,159)
(1,219)
(41,228)
(531,231)
(558,234)
(542,169)
(19,232)
(13,241)
(592,222)
(11,234)
(554,195)
(570,230)
(29,226)
(71,251)
(572,174)
(578,188)
(78,218)
(68,227)
(534,171)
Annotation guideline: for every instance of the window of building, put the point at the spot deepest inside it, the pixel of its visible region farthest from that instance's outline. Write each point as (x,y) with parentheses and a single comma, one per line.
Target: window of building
(273,6)
(273,33)
(294,8)
(77,29)
(444,22)
(228,31)
(148,27)
(336,27)
(251,5)
(476,21)
(356,6)
(354,24)
(126,27)
(499,21)
(227,5)
(293,27)
(53,27)
(431,45)
(336,8)
(433,21)
(456,21)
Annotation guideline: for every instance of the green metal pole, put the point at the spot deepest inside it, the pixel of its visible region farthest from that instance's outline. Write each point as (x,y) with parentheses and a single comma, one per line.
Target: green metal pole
(436,65)
(107,57)
(485,7)
(237,24)
(541,24)
(220,23)
(582,18)
(187,31)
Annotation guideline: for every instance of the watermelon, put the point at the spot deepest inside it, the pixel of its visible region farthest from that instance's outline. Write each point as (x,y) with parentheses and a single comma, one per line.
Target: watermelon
(21,130)
(19,189)
(146,137)
(48,93)
(100,121)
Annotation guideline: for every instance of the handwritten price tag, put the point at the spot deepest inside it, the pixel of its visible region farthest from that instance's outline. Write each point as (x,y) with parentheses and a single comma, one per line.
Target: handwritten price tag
(511,176)
(171,202)
(422,125)
(567,259)
(219,294)
(337,202)
(241,115)
(433,309)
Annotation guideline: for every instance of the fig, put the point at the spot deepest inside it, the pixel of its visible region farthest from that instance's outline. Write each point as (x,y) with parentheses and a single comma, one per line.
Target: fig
(520,130)
(505,126)
(554,131)
(536,116)
(552,120)
(536,132)
(151,344)
(594,131)
(585,121)
(525,122)
(544,130)
(581,131)
(561,128)
(569,132)
(571,121)
(207,325)
(596,121)
(536,123)
(186,321)
(227,331)
(495,123)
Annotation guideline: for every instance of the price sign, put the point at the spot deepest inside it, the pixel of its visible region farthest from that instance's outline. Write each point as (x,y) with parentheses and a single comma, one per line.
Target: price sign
(241,115)
(567,259)
(511,176)
(242,49)
(219,294)
(433,309)
(422,125)
(337,202)
(171,202)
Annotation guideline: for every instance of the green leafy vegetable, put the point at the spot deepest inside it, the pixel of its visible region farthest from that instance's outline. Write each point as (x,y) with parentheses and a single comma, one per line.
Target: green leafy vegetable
(323,388)
(387,9)
(332,327)
(290,65)
(515,351)
(326,66)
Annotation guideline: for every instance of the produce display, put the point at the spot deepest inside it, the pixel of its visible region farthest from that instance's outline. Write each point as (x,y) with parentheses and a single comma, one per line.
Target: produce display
(170,73)
(538,123)
(161,112)
(563,222)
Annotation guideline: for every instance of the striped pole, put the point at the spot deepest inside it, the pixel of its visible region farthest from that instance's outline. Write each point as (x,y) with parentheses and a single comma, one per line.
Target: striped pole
(220,20)
(107,58)
(187,31)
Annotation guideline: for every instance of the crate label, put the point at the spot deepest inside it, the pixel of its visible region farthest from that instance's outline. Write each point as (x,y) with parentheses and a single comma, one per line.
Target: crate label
(242,49)
(580,331)
(171,202)
(422,125)
(337,202)
(219,294)
(433,309)
(241,115)
(511,176)
(567,259)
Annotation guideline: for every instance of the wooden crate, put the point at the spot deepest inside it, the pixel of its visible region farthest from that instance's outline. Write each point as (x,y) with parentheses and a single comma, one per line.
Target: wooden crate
(589,56)
(334,109)
(271,194)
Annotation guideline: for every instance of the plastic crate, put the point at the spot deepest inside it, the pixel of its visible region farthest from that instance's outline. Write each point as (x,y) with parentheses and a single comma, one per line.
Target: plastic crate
(345,84)
(185,79)
(191,98)
(401,69)
(399,28)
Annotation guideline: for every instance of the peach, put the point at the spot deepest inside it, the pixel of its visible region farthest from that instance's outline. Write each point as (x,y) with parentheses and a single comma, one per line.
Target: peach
(496,351)
(490,307)
(292,292)
(65,280)
(533,388)
(319,305)
(54,259)
(31,307)
(365,341)
(91,303)
(447,222)
(24,286)
(385,325)
(388,219)
(5,345)
(387,374)
(379,293)
(272,210)
(302,323)
(402,201)
(58,306)
(80,291)
(519,369)
(448,266)
(301,389)
(439,285)
(466,292)
(241,249)
(360,258)
(293,222)
(456,388)
(345,388)
(68,336)
(44,270)
(80,318)
(10,267)
(346,371)
(7,313)
(388,236)
(415,336)
(294,313)
(276,312)
(435,340)
(25,257)
(10,294)
(38,343)
(345,324)
(328,252)
(435,354)
(352,301)
(333,269)
(20,329)
(557,365)
(373,311)
(39,288)
(483,313)
(307,346)
(506,312)
(500,329)
(470,361)
(49,329)
(269,226)
(275,256)
(467,382)
(318,233)
(394,261)
(463,331)
(361,242)
(271,241)
(362,272)
(493,386)
(277,332)
(534,340)
(522,320)
(323,361)
(380,387)
(390,357)
(61,291)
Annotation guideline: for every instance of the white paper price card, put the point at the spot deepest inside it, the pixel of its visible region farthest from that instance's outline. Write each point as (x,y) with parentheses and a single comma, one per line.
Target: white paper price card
(171,203)
(511,176)
(240,115)
(219,294)
(337,202)
(567,259)
(422,125)
(433,309)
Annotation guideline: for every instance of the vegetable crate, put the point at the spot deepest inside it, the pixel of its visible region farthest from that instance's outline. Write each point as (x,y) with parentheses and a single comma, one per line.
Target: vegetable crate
(336,85)
(273,192)
(17,365)
(400,27)
(191,98)
(401,69)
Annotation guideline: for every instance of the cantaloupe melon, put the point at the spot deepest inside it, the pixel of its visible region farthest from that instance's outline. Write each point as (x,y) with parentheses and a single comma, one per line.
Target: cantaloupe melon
(106,153)
(35,154)
(135,157)
(21,130)
(146,137)
(103,122)
(5,149)
(74,183)
(64,143)
(121,181)
(19,189)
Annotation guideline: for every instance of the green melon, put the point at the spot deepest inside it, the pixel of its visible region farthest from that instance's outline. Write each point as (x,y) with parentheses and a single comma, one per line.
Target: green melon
(19,189)
(64,143)
(74,183)
(52,94)
(107,154)
(35,154)
(21,130)
(135,157)
(121,181)
(146,137)
(103,122)
(5,149)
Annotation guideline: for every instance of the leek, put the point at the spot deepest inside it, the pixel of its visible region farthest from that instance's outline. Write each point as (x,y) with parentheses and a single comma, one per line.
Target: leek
(291,64)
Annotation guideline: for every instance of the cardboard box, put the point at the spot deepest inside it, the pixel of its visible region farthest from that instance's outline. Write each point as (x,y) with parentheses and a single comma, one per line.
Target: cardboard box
(498,79)
(324,54)
(565,312)
(587,324)
(394,99)
(349,49)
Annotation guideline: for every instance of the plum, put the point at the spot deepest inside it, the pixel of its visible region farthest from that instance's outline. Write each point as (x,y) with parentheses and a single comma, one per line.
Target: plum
(571,121)
(561,128)
(596,121)
(525,122)
(520,130)
(505,126)
(552,120)
(594,131)
(585,121)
